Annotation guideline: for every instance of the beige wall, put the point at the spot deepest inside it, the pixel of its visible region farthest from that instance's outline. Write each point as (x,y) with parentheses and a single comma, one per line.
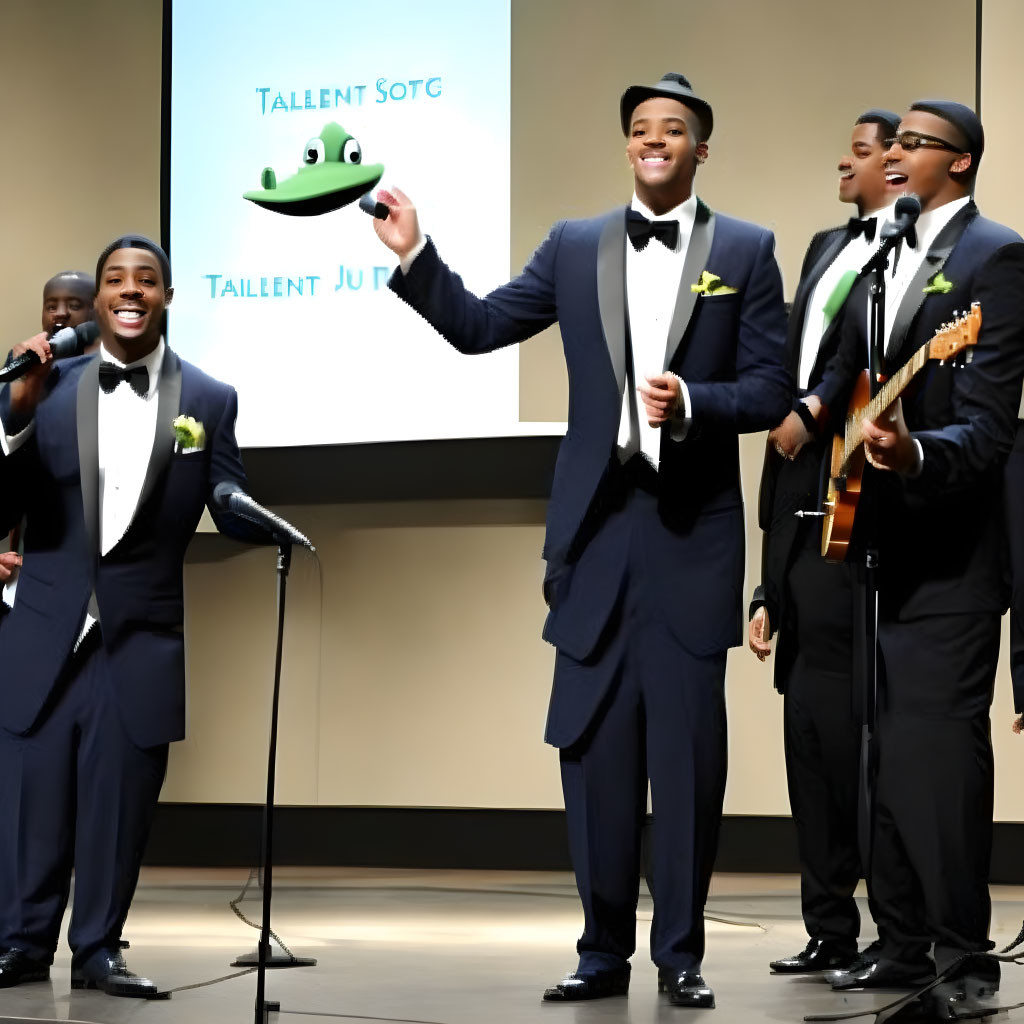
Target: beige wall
(414,672)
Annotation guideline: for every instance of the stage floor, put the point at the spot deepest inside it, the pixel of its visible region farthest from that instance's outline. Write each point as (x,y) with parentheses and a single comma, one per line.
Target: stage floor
(443,947)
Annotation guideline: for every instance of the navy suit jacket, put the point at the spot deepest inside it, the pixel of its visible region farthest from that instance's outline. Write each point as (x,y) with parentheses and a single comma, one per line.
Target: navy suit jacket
(941,534)
(728,350)
(53,480)
(788,487)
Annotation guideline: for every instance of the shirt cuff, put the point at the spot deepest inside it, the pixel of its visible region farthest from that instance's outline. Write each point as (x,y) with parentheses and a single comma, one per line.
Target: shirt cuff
(410,257)
(680,425)
(917,465)
(10,443)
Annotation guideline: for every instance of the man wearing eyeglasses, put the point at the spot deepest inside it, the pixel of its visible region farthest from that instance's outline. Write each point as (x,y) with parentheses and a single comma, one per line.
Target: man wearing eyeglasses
(936,488)
(808,601)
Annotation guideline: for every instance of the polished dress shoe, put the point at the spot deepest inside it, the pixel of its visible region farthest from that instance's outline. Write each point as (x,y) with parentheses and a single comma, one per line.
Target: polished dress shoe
(820,955)
(109,973)
(865,958)
(590,985)
(884,974)
(686,988)
(16,966)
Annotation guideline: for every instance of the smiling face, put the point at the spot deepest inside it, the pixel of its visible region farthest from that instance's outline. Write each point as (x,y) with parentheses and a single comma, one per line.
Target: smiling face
(862,171)
(933,174)
(130,303)
(67,302)
(664,150)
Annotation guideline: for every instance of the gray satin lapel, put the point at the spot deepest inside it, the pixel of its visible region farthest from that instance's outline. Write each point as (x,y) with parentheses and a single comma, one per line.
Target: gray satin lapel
(914,298)
(934,261)
(696,260)
(611,293)
(809,282)
(88,402)
(168,401)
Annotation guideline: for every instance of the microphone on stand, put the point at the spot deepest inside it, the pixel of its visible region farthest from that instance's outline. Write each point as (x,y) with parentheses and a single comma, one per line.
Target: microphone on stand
(68,341)
(230,497)
(907,210)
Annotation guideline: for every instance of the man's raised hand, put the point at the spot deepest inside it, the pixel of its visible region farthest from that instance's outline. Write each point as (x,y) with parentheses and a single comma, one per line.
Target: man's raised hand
(27,391)
(400,231)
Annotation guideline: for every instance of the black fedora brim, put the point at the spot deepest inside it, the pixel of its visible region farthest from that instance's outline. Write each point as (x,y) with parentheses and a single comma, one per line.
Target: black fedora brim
(636,94)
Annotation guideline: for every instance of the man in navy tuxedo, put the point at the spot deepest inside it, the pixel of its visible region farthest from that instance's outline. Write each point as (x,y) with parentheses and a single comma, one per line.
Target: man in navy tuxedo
(807,601)
(93,687)
(672,325)
(934,492)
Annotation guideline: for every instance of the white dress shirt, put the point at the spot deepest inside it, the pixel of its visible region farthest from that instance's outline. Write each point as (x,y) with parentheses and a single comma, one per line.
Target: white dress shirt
(929,225)
(653,277)
(852,256)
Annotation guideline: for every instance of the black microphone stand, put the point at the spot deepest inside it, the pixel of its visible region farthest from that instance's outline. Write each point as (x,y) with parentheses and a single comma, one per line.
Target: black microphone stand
(263,1007)
(891,236)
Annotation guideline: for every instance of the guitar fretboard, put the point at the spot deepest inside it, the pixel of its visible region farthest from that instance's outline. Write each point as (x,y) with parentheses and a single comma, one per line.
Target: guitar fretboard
(887,394)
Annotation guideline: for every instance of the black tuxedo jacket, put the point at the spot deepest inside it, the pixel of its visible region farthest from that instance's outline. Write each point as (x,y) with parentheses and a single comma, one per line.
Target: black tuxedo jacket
(941,534)
(788,487)
(53,481)
(728,350)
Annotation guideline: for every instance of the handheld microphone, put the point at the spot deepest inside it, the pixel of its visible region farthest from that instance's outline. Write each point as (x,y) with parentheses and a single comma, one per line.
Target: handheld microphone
(373,207)
(230,497)
(68,341)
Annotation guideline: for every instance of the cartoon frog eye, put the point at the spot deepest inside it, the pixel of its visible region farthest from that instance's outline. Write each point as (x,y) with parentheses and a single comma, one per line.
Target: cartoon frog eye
(314,152)
(352,153)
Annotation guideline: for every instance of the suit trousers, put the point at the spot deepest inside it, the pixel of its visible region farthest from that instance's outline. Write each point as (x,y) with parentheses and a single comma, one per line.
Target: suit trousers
(1015,535)
(662,720)
(934,789)
(822,742)
(79,794)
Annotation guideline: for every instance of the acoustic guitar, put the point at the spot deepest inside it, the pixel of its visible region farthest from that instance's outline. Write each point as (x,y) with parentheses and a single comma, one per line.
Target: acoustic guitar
(848,457)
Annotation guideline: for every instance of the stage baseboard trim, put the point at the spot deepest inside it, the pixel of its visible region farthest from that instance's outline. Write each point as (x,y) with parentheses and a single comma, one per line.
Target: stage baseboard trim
(228,835)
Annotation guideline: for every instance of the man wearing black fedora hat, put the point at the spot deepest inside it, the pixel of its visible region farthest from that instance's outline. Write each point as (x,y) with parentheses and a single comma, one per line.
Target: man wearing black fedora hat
(672,325)
(809,603)
(936,484)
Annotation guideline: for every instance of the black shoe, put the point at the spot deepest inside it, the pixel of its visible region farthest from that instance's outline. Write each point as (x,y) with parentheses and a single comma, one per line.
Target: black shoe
(590,985)
(686,988)
(109,973)
(865,958)
(16,966)
(820,955)
(883,974)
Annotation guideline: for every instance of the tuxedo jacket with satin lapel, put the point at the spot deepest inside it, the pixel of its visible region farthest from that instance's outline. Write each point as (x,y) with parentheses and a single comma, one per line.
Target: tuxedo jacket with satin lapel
(787,487)
(728,350)
(941,534)
(53,481)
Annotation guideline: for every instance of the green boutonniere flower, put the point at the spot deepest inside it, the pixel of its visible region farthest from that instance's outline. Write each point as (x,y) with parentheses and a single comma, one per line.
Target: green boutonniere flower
(711,284)
(938,285)
(189,434)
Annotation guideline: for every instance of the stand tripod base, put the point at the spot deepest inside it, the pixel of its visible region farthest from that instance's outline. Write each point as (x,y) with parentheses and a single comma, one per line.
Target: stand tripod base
(278,958)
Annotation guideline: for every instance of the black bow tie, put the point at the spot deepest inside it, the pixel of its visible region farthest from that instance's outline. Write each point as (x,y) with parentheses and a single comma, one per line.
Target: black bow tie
(137,377)
(641,231)
(866,227)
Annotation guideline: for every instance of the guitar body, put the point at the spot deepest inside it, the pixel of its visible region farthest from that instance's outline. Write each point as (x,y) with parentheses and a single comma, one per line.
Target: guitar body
(844,485)
(847,468)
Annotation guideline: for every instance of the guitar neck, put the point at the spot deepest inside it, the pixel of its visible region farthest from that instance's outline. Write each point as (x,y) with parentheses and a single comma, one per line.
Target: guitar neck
(887,394)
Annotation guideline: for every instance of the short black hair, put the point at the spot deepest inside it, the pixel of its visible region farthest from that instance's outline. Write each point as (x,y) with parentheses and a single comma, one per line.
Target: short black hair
(888,121)
(965,121)
(136,242)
